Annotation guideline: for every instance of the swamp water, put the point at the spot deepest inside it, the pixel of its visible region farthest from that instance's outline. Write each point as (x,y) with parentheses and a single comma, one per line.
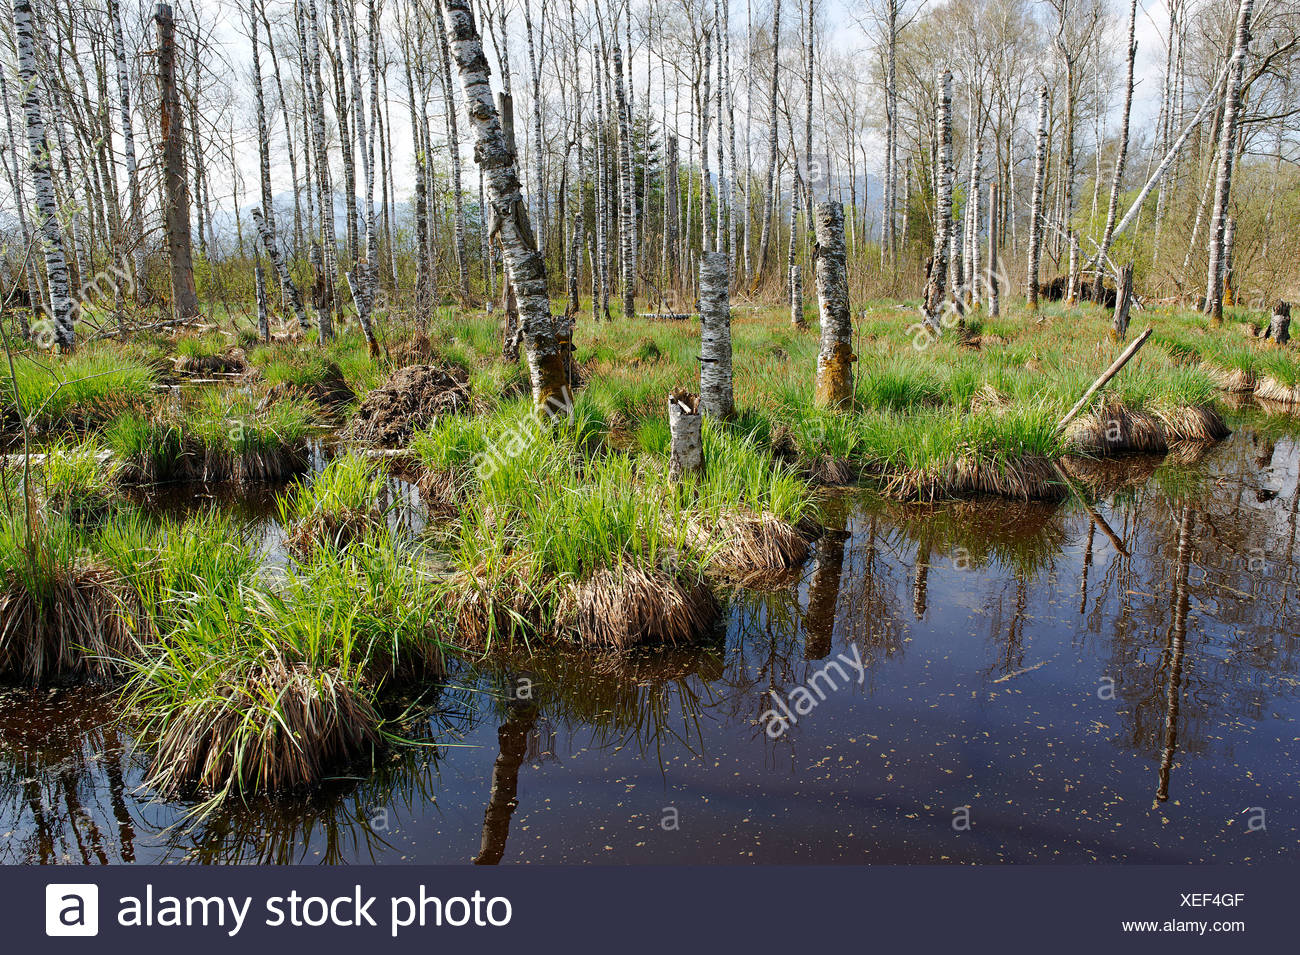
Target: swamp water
(972,682)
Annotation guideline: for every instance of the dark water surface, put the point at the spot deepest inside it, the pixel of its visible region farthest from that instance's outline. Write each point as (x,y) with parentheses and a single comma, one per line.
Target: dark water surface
(1029,693)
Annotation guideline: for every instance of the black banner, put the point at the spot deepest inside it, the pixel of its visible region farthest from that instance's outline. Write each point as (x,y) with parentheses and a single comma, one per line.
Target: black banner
(1138,908)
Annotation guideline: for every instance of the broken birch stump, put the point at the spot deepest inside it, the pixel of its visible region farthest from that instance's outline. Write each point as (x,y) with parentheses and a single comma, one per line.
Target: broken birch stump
(686,435)
(835,359)
(715,336)
(1123,302)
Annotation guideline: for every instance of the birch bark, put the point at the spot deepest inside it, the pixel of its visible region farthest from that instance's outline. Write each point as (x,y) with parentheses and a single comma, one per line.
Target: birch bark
(271,245)
(136,232)
(525,265)
(769,193)
(716,394)
(1036,201)
(835,359)
(935,287)
(1108,233)
(62,308)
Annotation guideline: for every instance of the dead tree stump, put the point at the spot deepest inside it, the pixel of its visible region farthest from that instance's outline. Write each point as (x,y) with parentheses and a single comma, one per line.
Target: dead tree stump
(686,435)
(715,336)
(835,359)
(1123,302)
(1279,327)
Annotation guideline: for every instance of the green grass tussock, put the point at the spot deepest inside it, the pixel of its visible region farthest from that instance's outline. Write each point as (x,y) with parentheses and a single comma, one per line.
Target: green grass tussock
(63,615)
(336,508)
(81,391)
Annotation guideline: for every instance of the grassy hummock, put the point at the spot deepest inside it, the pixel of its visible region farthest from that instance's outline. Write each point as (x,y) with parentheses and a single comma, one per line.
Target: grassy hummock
(749,513)
(63,615)
(337,508)
(82,391)
(214,436)
(263,684)
(551,541)
(79,479)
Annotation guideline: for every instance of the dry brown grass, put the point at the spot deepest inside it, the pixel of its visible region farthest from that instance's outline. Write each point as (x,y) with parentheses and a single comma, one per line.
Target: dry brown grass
(1113,428)
(262,466)
(490,607)
(742,543)
(442,491)
(1232,380)
(76,629)
(830,471)
(1028,477)
(224,363)
(321,724)
(1197,424)
(988,398)
(1270,389)
(614,608)
(332,528)
(626,607)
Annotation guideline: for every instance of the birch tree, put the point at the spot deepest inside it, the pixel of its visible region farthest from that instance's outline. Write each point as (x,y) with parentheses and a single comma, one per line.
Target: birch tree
(135,237)
(1036,202)
(935,287)
(834,388)
(62,309)
(524,263)
(326,245)
(272,246)
(627,188)
(770,190)
(715,336)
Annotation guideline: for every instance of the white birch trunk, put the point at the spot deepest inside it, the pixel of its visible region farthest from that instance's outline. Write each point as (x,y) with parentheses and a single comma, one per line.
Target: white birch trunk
(1036,201)
(935,287)
(995,238)
(1108,233)
(136,232)
(259,288)
(324,297)
(271,245)
(796,297)
(716,396)
(525,265)
(627,187)
(834,385)
(769,193)
(686,442)
(706,226)
(62,308)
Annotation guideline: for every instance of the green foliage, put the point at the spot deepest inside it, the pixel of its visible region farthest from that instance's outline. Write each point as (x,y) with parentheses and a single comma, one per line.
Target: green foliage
(87,388)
